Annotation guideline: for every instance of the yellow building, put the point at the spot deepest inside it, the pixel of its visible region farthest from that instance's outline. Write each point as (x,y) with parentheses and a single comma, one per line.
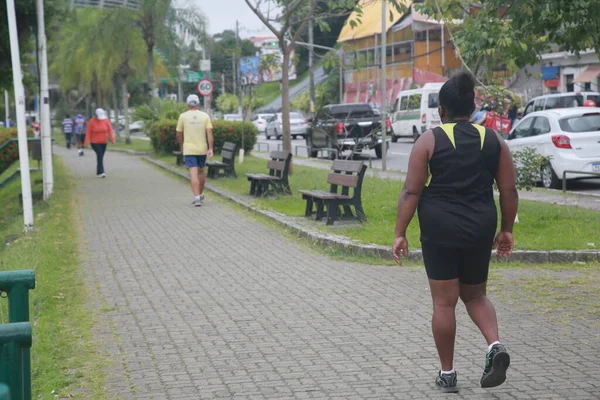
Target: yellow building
(418,51)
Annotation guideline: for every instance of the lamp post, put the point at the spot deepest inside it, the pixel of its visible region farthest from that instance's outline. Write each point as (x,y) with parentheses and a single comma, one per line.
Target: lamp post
(20,111)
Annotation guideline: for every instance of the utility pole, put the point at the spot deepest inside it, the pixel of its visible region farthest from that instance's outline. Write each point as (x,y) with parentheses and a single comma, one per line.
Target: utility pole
(383,85)
(6,108)
(20,110)
(443,48)
(45,128)
(310,59)
(237,64)
(222,83)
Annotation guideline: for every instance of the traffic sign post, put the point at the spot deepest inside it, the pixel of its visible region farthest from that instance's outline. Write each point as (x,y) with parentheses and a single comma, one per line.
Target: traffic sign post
(205,87)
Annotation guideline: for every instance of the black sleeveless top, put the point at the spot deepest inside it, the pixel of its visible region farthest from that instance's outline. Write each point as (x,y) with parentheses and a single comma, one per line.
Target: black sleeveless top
(457,207)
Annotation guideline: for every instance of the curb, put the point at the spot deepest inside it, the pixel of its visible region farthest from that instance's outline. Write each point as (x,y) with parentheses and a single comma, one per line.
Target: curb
(373,250)
(130,152)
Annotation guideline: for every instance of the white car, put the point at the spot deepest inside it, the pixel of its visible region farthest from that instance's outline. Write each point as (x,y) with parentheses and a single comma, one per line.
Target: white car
(232,117)
(260,121)
(569,136)
(136,126)
(298,126)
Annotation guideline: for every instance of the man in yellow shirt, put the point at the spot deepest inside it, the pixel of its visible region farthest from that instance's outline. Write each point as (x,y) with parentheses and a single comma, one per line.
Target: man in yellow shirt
(195,136)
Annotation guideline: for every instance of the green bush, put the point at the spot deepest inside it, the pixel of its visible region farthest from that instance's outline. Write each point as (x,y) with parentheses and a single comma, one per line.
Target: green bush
(9,154)
(158,110)
(163,135)
(231,131)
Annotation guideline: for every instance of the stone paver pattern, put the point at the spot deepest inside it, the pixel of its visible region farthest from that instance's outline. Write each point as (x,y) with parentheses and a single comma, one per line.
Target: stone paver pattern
(207,303)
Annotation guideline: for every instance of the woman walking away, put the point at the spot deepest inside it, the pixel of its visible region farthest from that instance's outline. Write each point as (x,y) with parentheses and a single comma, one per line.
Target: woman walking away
(451,173)
(97,133)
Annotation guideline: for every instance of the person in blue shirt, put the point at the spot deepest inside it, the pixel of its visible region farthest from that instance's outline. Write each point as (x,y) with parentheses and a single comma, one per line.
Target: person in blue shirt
(479,117)
(80,132)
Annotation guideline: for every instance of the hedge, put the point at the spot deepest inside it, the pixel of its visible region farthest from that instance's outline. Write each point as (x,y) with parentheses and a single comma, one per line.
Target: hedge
(163,135)
(9,154)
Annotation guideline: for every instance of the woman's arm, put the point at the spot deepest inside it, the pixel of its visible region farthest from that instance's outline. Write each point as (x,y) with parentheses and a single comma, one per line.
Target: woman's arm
(111,134)
(88,133)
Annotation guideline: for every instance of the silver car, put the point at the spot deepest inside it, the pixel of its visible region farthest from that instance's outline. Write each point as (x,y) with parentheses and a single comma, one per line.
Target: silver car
(298,126)
(260,121)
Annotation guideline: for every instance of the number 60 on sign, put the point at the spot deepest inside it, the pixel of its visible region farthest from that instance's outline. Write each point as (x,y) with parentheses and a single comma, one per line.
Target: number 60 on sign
(204,87)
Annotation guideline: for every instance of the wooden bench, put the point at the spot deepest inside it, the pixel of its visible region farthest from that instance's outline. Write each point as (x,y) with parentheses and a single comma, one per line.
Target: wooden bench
(227,165)
(179,157)
(347,175)
(279,167)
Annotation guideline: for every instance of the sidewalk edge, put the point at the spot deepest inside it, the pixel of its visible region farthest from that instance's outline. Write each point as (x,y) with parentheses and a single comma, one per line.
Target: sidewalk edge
(373,250)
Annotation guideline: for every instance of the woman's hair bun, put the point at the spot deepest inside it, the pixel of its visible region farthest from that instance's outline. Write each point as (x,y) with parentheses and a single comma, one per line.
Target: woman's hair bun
(465,83)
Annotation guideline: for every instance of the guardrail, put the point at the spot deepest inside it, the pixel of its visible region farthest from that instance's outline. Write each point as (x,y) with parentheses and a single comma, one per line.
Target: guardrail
(9,141)
(564,177)
(302,147)
(279,146)
(15,337)
(261,144)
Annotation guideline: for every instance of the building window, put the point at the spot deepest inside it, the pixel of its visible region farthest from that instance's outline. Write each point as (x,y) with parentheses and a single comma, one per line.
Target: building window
(569,80)
(587,87)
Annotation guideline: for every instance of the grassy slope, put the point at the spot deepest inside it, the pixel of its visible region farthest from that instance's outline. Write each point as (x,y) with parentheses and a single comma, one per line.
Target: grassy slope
(64,358)
(542,226)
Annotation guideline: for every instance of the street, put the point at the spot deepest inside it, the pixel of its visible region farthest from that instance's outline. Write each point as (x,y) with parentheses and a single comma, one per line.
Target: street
(399,154)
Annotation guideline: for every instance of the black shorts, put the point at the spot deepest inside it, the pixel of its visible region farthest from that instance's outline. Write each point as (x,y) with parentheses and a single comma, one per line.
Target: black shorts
(469,265)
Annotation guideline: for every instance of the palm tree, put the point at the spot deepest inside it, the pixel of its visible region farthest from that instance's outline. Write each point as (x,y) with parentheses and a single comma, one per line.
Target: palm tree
(103,47)
(159,19)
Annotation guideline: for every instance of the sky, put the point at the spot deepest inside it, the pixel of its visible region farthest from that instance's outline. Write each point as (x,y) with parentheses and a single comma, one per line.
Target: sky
(223,13)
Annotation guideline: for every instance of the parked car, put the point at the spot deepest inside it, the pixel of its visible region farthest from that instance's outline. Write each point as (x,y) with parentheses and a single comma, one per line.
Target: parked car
(260,121)
(298,126)
(415,111)
(232,117)
(560,100)
(136,126)
(342,127)
(570,136)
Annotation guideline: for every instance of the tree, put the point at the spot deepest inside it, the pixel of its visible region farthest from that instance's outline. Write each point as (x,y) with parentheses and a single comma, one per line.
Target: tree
(26,28)
(496,32)
(160,19)
(97,49)
(290,20)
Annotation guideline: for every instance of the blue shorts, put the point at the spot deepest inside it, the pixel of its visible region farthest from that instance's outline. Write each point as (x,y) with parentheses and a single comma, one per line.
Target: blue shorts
(195,161)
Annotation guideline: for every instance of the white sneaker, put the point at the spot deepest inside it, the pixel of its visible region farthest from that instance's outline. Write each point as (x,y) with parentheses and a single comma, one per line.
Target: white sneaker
(101,176)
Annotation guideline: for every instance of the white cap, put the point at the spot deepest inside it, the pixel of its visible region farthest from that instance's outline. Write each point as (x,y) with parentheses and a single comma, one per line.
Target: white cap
(192,100)
(100,113)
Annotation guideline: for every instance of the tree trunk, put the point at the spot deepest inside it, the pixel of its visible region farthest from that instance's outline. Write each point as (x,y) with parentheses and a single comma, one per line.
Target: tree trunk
(115,107)
(285,96)
(125,98)
(150,61)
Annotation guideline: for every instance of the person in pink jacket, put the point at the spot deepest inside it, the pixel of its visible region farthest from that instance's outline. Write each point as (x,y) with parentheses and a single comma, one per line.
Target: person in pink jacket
(98,132)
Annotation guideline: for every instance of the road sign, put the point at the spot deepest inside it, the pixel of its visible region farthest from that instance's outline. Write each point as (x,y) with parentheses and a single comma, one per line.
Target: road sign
(191,76)
(205,87)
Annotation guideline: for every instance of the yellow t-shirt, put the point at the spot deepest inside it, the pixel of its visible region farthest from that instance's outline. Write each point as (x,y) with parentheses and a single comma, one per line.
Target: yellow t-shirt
(193,124)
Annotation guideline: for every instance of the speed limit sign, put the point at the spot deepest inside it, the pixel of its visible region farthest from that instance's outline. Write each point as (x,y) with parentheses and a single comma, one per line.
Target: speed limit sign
(205,87)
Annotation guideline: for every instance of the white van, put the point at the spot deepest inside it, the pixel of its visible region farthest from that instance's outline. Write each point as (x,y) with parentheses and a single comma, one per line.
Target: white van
(560,100)
(415,111)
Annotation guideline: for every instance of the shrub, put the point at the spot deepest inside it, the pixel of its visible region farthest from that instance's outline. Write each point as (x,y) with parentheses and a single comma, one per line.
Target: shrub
(231,131)
(158,110)
(528,164)
(9,154)
(163,135)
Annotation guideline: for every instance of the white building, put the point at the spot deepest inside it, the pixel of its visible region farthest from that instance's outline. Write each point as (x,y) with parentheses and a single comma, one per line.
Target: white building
(565,72)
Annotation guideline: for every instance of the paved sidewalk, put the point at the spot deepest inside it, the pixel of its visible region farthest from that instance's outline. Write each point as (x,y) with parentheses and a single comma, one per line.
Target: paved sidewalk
(589,201)
(208,304)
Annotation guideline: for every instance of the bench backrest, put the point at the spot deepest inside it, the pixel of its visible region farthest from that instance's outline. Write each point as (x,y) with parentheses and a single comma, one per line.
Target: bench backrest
(279,165)
(228,153)
(347,174)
